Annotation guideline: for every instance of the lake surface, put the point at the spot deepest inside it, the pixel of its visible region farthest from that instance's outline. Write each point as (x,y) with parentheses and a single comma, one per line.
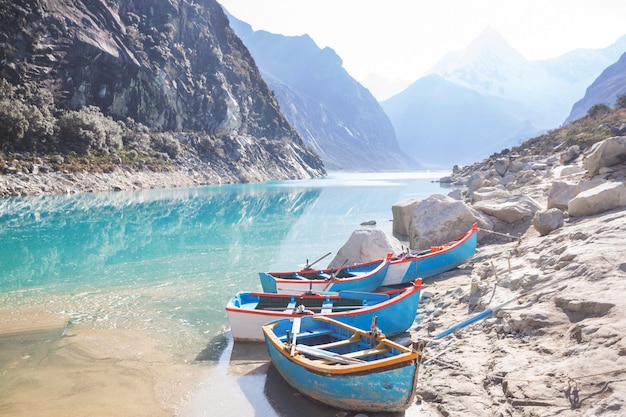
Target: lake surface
(165,262)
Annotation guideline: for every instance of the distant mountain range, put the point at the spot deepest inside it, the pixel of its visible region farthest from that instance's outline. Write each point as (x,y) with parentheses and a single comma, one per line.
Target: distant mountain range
(333,114)
(472,103)
(610,85)
(489,97)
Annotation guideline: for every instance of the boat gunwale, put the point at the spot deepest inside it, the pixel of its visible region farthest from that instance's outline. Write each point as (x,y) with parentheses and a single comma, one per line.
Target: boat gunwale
(451,245)
(402,295)
(383,263)
(405,358)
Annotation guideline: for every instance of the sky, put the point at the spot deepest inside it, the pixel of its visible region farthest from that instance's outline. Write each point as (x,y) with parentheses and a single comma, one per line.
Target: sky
(403,39)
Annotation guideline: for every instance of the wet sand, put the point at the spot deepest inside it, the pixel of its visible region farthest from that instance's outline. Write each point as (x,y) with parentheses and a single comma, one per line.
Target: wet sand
(51,368)
(48,368)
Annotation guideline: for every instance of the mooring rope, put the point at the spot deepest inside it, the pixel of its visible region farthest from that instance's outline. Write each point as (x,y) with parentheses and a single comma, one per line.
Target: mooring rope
(518,237)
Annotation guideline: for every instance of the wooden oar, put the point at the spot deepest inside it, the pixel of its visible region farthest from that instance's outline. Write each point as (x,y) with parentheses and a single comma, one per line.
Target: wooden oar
(492,310)
(333,276)
(328,355)
(309,265)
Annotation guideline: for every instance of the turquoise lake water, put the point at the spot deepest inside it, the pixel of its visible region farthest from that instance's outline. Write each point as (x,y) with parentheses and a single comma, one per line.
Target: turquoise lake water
(158,258)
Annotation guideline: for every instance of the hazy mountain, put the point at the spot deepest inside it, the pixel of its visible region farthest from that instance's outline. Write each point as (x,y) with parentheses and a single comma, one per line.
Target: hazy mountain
(442,123)
(545,89)
(514,98)
(332,112)
(610,85)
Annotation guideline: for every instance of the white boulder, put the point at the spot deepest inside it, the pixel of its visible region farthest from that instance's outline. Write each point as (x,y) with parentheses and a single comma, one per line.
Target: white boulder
(560,194)
(510,209)
(366,245)
(609,152)
(439,219)
(546,221)
(608,196)
(401,212)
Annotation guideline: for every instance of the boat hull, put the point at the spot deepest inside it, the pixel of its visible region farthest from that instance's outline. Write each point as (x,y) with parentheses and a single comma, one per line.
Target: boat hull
(389,390)
(394,315)
(367,277)
(386,384)
(435,261)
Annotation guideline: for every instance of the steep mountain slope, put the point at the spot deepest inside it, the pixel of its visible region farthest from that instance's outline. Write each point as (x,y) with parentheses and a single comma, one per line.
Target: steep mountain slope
(443,123)
(177,67)
(610,85)
(332,112)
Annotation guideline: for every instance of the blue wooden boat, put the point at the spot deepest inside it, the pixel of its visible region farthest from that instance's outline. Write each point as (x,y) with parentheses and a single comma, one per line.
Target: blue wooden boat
(361,277)
(343,366)
(437,259)
(395,309)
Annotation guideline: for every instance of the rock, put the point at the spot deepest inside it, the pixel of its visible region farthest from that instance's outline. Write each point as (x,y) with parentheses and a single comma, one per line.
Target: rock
(548,220)
(475,182)
(365,245)
(561,192)
(401,212)
(517,166)
(501,165)
(607,196)
(510,209)
(570,154)
(456,194)
(439,219)
(489,193)
(566,170)
(609,152)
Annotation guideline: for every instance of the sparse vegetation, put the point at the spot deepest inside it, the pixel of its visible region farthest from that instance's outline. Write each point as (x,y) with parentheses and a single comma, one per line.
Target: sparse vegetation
(601,122)
(33,131)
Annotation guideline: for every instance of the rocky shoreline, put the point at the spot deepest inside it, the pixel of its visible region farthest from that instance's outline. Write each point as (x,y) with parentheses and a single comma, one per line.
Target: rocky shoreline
(559,351)
(27,179)
(550,263)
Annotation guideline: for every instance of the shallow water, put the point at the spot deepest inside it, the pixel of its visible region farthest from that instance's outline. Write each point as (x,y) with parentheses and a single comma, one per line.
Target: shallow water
(156,267)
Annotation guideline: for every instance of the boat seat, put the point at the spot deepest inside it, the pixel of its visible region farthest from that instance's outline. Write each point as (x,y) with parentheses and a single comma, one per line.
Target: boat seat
(307,335)
(367,352)
(291,306)
(325,356)
(327,306)
(354,338)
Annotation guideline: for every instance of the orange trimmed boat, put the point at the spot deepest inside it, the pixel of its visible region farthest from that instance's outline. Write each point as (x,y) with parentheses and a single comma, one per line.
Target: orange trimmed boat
(343,366)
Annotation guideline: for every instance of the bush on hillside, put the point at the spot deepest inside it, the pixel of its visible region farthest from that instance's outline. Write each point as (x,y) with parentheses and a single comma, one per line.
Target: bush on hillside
(166,143)
(598,110)
(88,130)
(620,103)
(26,120)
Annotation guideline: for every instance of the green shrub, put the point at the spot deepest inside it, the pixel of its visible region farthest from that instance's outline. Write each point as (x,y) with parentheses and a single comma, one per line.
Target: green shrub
(620,103)
(88,130)
(167,143)
(598,110)
(26,120)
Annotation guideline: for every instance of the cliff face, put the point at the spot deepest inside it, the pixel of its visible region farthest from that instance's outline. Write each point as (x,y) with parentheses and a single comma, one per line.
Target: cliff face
(173,65)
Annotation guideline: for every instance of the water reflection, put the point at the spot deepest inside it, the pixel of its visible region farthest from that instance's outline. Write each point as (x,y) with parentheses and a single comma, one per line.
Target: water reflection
(135,236)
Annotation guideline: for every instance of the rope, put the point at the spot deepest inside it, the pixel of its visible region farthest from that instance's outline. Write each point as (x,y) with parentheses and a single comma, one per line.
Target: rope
(518,238)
